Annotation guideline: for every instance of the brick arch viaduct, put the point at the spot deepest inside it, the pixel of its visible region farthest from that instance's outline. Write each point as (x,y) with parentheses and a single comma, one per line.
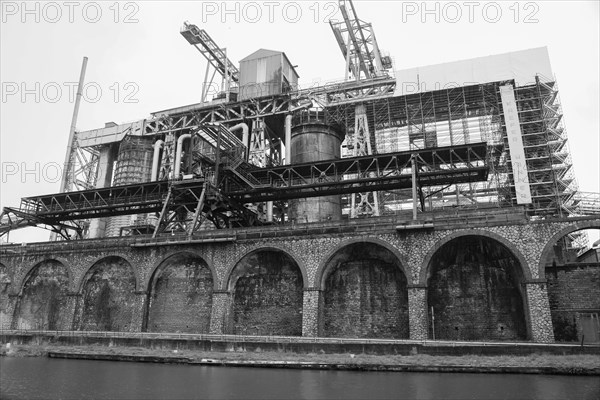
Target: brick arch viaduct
(310,247)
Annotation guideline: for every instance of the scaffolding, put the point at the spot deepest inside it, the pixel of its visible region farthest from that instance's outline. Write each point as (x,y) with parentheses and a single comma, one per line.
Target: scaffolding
(471,114)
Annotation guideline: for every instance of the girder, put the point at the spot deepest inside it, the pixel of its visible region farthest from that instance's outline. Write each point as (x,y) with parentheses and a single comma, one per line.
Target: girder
(178,201)
(213,53)
(438,166)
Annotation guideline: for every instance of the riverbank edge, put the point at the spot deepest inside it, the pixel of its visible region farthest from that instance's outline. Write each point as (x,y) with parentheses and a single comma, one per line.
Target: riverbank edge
(327,366)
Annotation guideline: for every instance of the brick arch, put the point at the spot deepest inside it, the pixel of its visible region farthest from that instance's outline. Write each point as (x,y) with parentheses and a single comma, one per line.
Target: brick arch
(424,268)
(323,266)
(548,248)
(31,269)
(148,281)
(301,266)
(136,273)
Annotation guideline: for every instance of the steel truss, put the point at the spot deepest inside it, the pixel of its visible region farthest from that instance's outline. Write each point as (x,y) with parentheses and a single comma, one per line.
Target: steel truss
(213,53)
(449,117)
(359,47)
(363,204)
(437,166)
(182,205)
(12,219)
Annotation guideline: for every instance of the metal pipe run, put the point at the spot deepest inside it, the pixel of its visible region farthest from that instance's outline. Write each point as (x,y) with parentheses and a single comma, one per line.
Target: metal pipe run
(245,136)
(414,186)
(178,154)
(288,139)
(245,130)
(156,159)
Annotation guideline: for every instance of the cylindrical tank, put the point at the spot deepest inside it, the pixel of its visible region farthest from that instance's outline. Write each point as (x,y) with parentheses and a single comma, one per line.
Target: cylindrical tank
(134,165)
(315,141)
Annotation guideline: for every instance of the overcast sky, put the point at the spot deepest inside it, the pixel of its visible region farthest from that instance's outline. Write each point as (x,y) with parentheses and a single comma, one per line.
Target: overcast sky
(139,63)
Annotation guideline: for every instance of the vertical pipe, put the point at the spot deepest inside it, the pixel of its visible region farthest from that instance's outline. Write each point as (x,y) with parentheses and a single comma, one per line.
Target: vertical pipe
(226,77)
(414,186)
(288,139)
(218,157)
(67,165)
(155,159)
(244,128)
(178,152)
(269,211)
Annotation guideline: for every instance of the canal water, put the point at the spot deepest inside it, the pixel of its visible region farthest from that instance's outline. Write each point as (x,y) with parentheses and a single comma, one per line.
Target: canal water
(46,378)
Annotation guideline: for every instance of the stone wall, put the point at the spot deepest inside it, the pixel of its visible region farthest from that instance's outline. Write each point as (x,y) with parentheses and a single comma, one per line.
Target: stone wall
(365,294)
(121,294)
(267,295)
(44,301)
(6,301)
(572,289)
(474,292)
(108,301)
(180,298)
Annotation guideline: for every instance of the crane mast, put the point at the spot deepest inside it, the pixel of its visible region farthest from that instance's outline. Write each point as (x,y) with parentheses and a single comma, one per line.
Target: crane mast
(216,57)
(357,42)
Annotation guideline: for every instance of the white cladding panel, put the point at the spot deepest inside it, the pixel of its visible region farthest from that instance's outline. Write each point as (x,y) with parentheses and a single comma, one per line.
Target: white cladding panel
(515,145)
(522,66)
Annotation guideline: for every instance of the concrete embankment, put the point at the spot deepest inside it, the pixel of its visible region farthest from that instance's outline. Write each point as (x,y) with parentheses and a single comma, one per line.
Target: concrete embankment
(307,353)
(346,366)
(296,345)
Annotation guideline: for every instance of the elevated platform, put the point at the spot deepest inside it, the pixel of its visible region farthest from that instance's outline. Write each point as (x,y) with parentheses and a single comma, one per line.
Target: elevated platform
(435,166)
(248,184)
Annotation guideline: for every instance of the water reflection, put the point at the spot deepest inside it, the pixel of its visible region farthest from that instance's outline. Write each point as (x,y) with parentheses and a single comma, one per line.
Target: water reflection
(44,378)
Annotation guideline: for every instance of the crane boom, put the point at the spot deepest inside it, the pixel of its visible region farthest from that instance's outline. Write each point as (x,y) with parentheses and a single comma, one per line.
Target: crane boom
(209,49)
(357,42)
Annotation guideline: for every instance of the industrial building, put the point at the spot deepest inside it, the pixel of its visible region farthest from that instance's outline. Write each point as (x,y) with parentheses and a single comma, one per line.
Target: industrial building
(475,146)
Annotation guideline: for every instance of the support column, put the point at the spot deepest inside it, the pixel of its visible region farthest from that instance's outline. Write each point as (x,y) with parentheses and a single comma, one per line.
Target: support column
(310,312)
(137,319)
(7,311)
(69,312)
(417,312)
(539,311)
(220,311)
(368,202)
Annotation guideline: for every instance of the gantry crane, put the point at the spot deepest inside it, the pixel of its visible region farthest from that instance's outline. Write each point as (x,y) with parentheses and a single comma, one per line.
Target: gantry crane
(356,39)
(216,56)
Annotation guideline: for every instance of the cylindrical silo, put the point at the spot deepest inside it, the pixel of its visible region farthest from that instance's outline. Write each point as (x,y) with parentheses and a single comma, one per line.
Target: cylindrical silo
(134,165)
(314,140)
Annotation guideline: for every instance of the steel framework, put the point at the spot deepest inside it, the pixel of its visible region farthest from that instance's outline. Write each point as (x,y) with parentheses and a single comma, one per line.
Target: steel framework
(182,204)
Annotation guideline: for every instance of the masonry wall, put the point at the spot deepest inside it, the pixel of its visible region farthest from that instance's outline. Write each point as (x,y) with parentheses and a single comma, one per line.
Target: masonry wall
(113,282)
(44,301)
(5,300)
(180,299)
(572,289)
(474,292)
(108,301)
(267,295)
(365,295)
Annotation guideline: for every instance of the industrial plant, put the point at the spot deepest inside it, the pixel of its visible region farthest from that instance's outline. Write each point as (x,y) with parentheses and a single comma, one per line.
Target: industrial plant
(431,203)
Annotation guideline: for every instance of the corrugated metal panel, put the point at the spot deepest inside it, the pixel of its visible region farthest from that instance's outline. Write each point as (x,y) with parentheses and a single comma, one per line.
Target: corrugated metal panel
(261,74)
(260,53)
(261,70)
